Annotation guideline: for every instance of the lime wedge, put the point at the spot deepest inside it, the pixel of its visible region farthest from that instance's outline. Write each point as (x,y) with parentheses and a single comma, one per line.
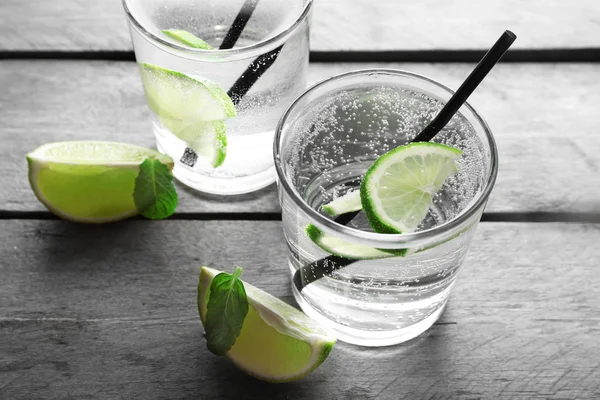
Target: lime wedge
(344,204)
(278,343)
(193,110)
(88,181)
(187,38)
(341,248)
(177,96)
(398,188)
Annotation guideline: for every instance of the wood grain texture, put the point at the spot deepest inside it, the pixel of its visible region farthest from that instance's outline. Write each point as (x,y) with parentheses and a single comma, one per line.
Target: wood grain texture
(109,312)
(79,25)
(544,118)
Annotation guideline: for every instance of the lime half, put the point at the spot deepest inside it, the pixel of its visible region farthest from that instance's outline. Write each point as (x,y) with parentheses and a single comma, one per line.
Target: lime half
(278,343)
(88,181)
(187,38)
(398,188)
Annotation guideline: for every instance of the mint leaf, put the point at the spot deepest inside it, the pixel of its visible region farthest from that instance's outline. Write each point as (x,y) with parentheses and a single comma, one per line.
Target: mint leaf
(227,307)
(154,194)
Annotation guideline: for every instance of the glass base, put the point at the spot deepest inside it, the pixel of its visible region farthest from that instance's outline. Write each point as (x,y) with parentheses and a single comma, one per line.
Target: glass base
(224,186)
(220,185)
(368,338)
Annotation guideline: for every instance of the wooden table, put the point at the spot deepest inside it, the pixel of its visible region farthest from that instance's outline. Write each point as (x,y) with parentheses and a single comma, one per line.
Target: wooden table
(108,312)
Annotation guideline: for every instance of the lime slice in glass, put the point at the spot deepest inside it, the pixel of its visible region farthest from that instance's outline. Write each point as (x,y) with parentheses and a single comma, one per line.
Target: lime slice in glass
(88,181)
(177,96)
(193,110)
(398,188)
(187,38)
(344,204)
(277,343)
(339,247)
(207,138)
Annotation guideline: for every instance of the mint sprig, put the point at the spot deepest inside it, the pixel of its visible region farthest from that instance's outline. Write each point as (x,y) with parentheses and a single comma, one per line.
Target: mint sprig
(227,307)
(154,194)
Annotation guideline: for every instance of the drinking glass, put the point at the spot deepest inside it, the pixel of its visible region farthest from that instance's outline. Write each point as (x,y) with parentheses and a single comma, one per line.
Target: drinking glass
(261,74)
(324,144)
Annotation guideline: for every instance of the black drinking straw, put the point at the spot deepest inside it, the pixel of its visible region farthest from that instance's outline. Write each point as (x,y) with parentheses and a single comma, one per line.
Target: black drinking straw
(325,266)
(252,73)
(466,89)
(257,67)
(238,25)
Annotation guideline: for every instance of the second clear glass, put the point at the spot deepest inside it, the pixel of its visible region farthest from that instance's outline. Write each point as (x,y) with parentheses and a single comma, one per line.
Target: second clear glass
(273,45)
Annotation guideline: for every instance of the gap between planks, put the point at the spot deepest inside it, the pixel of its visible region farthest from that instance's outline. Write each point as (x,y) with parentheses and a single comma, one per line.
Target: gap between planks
(531,217)
(140,320)
(417,56)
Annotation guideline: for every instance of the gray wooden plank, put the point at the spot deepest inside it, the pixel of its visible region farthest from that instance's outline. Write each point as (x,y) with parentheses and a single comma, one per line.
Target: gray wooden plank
(109,311)
(77,25)
(544,118)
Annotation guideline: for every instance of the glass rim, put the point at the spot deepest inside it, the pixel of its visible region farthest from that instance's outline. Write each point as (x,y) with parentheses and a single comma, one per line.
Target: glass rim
(226,52)
(384,238)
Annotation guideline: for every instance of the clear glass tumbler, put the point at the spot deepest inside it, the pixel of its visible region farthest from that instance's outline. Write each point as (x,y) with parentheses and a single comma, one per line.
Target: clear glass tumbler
(324,144)
(191,89)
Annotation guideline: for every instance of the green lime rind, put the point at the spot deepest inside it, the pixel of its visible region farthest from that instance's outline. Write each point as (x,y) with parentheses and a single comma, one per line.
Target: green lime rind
(341,248)
(344,204)
(398,252)
(220,146)
(177,96)
(277,343)
(325,351)
(187,38)
(212,144)
(418,183)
